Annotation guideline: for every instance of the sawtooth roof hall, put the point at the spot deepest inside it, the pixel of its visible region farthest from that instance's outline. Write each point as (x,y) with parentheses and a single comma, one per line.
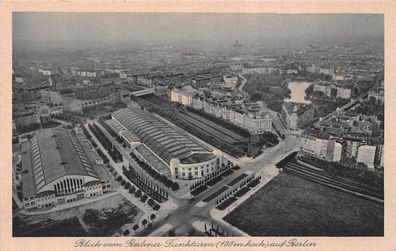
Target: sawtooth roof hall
(165,140)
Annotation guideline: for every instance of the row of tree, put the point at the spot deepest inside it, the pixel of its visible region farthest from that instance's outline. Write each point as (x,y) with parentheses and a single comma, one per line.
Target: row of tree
(73,117)
(144,223)
(27,128)
(268,138)
(95,146)
(113,152)
(102,155)
(109,129)
(113,133)
(144,198)
(145,184)
(153,173)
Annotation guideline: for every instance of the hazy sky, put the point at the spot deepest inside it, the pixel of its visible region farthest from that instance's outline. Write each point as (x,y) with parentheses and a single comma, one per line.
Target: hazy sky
(78,30)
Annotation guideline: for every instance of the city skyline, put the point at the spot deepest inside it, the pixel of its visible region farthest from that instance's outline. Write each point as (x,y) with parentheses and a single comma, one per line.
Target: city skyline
(198,125)
(98,30)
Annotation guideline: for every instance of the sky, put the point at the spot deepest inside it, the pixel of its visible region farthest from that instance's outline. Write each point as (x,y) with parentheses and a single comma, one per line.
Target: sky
(83,30)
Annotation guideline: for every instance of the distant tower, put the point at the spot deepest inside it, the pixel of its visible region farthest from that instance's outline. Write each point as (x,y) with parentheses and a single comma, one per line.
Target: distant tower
(237,44)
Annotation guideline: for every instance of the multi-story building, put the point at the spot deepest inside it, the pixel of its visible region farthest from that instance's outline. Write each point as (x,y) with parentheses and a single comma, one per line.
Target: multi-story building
(45,71)
(145,81)
(377,94)
(259,70)
(297,115)
(323,87)
(333,90)
(53,97)
(255,118)
(319,145)
(344,93)
(86,73)
(379,156)
(337,151)
(312,68)
(236,67)
(184,95)
(72,104)
(366,155)
(76,104)
(350,147)
(324,147)
(308,143)
(230,81)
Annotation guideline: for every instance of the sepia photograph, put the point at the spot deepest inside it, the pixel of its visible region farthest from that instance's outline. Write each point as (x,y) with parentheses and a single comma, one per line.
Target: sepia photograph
(197,124)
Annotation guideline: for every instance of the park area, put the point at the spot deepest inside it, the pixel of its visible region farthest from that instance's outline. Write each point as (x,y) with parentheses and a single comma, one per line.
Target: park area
(107,217)
(291,206)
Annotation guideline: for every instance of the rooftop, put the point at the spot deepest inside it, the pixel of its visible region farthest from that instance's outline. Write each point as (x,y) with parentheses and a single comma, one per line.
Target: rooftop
(51,155)
(117,127)
(163,139)
(197,158)
(130,137)
(299,108)
(153,159)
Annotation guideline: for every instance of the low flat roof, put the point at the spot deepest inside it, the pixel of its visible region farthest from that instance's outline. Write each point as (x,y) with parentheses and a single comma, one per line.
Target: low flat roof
(153,159)
(115,125)
(92,157)
(130,137)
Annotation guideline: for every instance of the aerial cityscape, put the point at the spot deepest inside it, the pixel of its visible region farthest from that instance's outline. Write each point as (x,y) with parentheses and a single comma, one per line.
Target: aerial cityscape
(216,125)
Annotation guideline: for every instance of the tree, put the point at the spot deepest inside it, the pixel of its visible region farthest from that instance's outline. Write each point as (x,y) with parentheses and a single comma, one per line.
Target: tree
(135,227)
(191,232)
(126,232)
(256,97)
(309,90)
(132,189)
(156,207)
(175,186)
(138,193)
(150,202)
(171,233)
(143,198)
(144,222)
(152,216)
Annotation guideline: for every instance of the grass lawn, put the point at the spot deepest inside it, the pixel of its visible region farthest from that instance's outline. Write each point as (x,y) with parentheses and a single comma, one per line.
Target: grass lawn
(292,206)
